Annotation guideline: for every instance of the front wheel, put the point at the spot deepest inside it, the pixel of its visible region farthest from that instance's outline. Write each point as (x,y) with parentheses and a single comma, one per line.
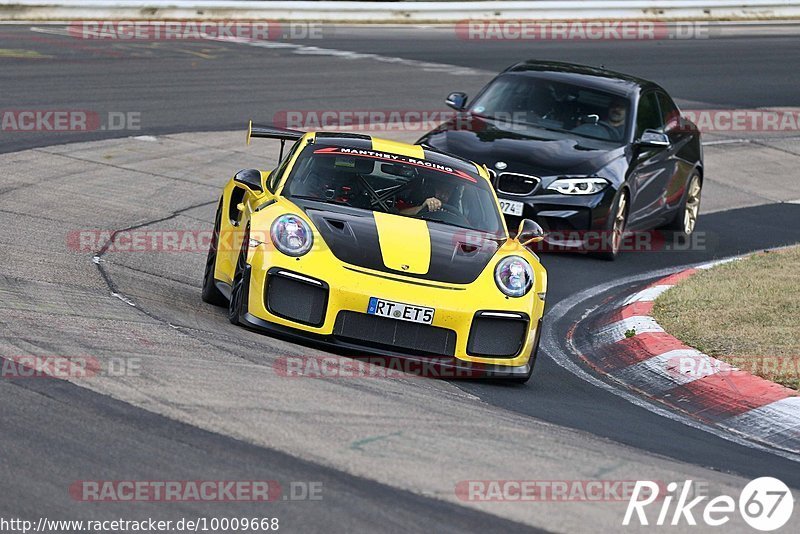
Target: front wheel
(686,218)
(523,379)
(240,285)
(211,293)
(615,228)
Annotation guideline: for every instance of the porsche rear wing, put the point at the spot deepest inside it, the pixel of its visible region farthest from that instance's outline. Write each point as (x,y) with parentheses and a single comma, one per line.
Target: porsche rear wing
(273,132)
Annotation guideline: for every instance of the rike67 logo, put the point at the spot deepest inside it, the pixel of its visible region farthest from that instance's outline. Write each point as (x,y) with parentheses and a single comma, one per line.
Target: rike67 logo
(765,504)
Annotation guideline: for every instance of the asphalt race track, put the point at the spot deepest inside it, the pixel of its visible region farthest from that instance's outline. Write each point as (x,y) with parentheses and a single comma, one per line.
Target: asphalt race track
(209,404)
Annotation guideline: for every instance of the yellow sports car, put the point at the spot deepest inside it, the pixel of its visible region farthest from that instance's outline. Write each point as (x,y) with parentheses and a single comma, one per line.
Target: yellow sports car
(378,247)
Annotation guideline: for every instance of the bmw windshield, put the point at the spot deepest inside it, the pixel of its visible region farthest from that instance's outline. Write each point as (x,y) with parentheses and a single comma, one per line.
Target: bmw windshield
(391,183)
(524,101)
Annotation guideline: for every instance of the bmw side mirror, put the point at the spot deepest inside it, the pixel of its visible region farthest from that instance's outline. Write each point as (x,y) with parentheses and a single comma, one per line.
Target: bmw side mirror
(457,101)
(653,138)
(250,179)
(529,232)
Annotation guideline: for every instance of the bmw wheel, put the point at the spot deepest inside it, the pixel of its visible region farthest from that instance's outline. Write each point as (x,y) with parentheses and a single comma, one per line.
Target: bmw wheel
(687,215)
(615,228)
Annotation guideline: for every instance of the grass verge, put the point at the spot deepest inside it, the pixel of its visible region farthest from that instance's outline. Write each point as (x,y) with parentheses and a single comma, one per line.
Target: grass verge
(746,313)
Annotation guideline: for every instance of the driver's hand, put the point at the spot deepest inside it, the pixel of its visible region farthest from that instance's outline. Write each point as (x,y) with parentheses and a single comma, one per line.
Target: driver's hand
(433,204)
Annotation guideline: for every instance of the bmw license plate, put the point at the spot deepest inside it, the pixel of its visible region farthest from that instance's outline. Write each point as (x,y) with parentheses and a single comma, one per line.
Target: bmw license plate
(398,310)
(511,207)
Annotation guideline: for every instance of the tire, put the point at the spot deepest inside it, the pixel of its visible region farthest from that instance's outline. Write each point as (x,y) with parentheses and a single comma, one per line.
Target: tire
(521,379)
(238,290)
(616,226)
(534,356)
(211,294)
(686,218)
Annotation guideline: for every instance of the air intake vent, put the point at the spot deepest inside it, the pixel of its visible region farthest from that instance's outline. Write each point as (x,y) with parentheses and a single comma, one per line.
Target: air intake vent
(336,224)
(296,297)
(497,335)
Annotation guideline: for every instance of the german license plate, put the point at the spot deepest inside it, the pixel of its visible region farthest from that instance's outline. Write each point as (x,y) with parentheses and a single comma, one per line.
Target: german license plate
(400,311)
(511,207)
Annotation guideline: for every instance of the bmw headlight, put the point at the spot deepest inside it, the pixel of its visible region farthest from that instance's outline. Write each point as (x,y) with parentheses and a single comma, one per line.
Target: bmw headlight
(514,276)
(578,186)
(291,235)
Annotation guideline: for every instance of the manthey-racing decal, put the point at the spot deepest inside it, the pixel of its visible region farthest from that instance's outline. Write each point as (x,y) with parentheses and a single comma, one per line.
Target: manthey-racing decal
(397,158)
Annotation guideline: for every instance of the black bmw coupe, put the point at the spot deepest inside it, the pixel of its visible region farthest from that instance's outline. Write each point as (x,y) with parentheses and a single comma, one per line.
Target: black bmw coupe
(589,153)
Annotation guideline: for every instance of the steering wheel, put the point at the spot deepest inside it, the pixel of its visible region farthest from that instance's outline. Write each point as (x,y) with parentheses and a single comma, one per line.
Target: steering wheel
(612,132)
(448,210)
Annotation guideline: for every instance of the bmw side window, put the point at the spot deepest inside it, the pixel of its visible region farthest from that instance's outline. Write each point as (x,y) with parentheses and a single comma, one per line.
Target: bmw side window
(648,116)
(669,111)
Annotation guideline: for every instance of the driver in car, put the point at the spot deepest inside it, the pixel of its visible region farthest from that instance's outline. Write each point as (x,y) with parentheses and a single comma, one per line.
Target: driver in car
(442,195)
(617,111)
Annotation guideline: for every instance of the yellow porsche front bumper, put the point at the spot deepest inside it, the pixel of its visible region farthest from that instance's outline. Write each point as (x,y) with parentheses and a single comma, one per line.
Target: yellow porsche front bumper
(453,332)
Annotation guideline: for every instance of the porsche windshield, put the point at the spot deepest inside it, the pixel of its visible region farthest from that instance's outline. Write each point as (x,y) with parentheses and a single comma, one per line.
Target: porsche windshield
(391,183)
(526,101)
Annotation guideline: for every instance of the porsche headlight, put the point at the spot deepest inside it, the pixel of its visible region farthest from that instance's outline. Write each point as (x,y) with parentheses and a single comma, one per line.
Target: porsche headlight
(514,276)
(578,186)
(291,235)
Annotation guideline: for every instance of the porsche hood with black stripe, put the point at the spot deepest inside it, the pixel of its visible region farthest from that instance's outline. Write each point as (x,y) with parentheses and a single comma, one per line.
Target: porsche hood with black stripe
(457,255)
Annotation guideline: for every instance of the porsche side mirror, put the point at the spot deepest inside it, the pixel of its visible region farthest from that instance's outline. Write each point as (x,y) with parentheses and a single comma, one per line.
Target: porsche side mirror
(250,179)
(457,101)
(653,139)
(529,232)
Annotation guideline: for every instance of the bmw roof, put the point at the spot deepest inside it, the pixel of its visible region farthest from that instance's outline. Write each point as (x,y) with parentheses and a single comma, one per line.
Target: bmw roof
(585,75)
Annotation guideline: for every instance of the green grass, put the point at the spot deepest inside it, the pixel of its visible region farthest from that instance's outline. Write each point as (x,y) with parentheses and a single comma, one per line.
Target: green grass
(746,313)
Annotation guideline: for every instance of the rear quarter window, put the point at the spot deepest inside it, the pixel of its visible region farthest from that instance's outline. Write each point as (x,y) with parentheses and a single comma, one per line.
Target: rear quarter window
(648,116)
(669,111)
